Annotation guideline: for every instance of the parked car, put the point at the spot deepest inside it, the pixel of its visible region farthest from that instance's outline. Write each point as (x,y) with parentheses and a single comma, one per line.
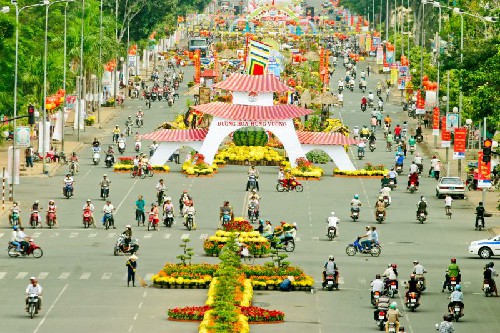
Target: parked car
(453,186)
(486,248)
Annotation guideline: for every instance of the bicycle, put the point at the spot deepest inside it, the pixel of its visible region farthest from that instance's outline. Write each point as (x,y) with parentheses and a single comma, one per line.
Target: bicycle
(448,211)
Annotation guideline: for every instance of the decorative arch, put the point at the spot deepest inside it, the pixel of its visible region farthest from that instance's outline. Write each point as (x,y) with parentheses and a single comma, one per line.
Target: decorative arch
(336,152)
(166,149)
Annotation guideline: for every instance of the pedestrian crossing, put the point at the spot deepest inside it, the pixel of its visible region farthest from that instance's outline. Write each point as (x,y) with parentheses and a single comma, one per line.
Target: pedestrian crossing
(84,276)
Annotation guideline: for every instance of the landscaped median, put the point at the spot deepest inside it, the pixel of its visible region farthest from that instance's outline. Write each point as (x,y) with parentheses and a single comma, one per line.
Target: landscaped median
(126,164)
(369,171)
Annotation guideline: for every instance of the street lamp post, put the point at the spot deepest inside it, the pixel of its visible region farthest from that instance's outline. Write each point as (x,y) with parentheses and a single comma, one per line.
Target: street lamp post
(64,70)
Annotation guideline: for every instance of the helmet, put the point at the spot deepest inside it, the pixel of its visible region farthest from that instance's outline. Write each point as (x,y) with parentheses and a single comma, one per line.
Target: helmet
(254,190)
(261,221)
(130,116)
(128,226)
(168,199)
(51,201)
(454,260)
(333,213)
(88,200)
(32,278)
(356,196)
(14,227)
(458,287)
(394,266)
(330,257)
(105,175)
(377,276)
(68,175)
(36,201)
(415,261)
(381,198)
(393,306)
(355,126)
(491,264)
(185,191)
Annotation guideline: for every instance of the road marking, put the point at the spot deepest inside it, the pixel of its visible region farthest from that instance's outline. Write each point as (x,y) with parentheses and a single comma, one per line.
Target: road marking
(93,235)
(73,234)
(54,235)
(126,195)
(130,328)
(85,276)
(111,235)
(140,305)
(148,276)
(63,276)
(50,309)
(203,236)
(42,275)
(106,276)
(21,275)
(184,236)
(1,234)
(36,234)
(2,275)
(362,281)
(148,235)
(167,236)
(135,316)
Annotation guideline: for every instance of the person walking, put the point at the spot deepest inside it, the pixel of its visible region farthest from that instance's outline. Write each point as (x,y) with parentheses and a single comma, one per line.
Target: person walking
(176,155)
(28,153)
(131,268)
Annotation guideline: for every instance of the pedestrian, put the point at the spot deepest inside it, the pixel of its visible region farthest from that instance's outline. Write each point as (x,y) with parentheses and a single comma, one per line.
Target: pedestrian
(29,157)
(426,120)
(437,169)
(131,268)
(177,153)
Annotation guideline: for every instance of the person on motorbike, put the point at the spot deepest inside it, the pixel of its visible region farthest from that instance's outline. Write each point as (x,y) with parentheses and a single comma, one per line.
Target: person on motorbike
(391,274)
(332,222)
(367,244)
(419,162)
(168,207)
(108,209)
(139,116)
(393,176)
(418,133)
(488,276)
(184,199)
(393,315)
(34,288)
(380,104)
(129,122)
(96,143)
(253,173)
(380,207)
(386,192)
(397,132)
(88,206)
(189,209)
(51,209)
(14,239)
(15,209)
(73,160)
(480,210)
(422,206)
(412,286)
(36,208)
(330,268)
(140,205)
(361,147)
(110,152)
(456,298)
(377,285)
(370,97)
(154,215)
(160,190)
(355,205)
(419,271)
(399,160)
(452,271)
(227,210)
(384,181)
(105,182)
(121,139)
(137,140)
(446,326)
(127,237)
(253,204)
(341,85)
(364,102)
(412,142)
(389,139)
(414,167)
(413,178)
(153,148)
(116,133)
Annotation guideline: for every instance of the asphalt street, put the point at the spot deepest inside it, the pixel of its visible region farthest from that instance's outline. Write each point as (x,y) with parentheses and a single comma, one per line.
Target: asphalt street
(85,284)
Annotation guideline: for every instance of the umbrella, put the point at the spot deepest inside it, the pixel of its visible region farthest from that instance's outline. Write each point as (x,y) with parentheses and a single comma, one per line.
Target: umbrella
(194,90)
(311,56)
(227,54)
(325,98)
(305,98)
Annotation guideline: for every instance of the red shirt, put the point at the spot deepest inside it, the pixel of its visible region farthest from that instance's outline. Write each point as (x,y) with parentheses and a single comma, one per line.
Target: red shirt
(397,130)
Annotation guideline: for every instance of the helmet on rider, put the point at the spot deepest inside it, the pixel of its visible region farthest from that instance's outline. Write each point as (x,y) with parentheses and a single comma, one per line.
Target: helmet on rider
(422,198)
(394,266)
(458,288)
(415,262)
(68,175)
(14,228)
(393,306)
(88,200)
(129,117)
(490,264)
(356,196)
(332,213)
(168,199)
(51,201)
(330,257)
(104,176)
(454,260)
(128,226)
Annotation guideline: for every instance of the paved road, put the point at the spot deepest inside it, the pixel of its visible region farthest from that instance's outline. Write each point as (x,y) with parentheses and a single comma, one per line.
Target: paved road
(85,284)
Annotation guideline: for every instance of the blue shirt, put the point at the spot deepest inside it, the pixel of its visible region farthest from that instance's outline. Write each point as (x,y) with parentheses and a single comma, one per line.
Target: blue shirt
(400,159)
(140,204)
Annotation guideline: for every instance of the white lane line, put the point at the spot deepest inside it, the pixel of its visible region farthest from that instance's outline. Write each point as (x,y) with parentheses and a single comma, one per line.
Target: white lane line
(36,234)
(42,275)
(106,276)
(184,236)
(50,309)
(73,235)
(63,276)
(144,295)
(167,236)
(341,280)
(85,276)
(203,236)
(54,235)
(2,275)
(140,305)
(126,195)
(135,316)
(148,235)
(1,234)
(93,235)
(21,275)
(130,328)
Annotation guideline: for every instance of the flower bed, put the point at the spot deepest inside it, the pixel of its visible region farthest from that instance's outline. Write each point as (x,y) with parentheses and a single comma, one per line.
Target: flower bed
(129,167)
(257,245)
(306,169)
(252,154)
(238,225)
(361,172)
(254,314)
(199,275)
(199,167)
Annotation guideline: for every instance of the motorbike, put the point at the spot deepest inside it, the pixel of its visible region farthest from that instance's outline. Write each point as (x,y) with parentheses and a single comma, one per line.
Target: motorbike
(108,161)
(448,212)
(121,147)
(33,249)
(252,213)
(129,129)
(399,169)
(35,219)
(293,184)
(382,319)
(379,92)
(252,182)
(419,138)
(392,184)
(488,291)
(154,96)
(72,168)
(122,248)
(137,172)
(456,312)
(420,167)
(391,327)
(14,218)
(138,121)
(452,283)
(372,146)
(286,243)
(168,219)
(329,283)
(391,288)
(225,219)
(152,224)
(96,155)
(108,220)
(387,202)
(356,247)
(363,89)
(380,218)
(51,217)
(341,88)
(361,154)
(189,221)
(137,146)
(355,214)
(68,191)
(412,149)
(370,103)
(351,86)
(421,284)
(176,96)
(421,217)
(32,305)
(105,192)
(170,101)
(331,233)
(412,188)
(87,218)
(480,223)
(375,297)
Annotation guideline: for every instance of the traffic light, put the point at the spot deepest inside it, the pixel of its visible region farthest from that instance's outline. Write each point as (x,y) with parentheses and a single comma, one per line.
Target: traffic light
(487,150)
(31,114)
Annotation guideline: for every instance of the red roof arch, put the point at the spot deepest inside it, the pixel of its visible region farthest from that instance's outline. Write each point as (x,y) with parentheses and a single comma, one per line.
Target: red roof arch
(257,83)
(252,112)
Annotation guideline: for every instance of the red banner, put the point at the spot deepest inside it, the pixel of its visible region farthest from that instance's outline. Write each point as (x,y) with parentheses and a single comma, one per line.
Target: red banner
(435,119)
(459,145)
(483,169)
(445,135)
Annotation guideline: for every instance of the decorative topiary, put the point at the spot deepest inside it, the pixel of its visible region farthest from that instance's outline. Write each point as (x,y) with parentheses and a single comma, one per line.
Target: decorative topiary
(250,136)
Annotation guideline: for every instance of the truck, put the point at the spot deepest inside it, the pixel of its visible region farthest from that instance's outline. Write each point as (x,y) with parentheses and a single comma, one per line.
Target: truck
(198,43)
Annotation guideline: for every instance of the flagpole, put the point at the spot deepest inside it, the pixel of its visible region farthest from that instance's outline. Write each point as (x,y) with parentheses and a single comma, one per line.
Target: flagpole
(246,54)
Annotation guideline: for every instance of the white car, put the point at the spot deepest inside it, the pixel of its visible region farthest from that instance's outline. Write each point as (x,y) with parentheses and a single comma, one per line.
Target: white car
(486,248)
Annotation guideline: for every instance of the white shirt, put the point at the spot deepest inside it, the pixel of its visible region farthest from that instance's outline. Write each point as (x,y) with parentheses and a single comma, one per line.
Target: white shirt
(68,181)
(389,273)
(377,285)
(355,203)
(417,159)
(90,207)
(370,96)
(108,208)
(332,221)
(385,191)
(369,235)
(418,269)
(413,168)
(434,162)
(14,236)
(160,187)
(448,200)
(362,144)
(31,289)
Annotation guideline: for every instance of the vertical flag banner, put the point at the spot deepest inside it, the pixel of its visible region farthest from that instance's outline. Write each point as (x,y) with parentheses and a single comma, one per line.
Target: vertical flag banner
(445,134)
(435,121)
(380,55)
(483,172)
(459,144)
(420,104)
(390,55)
(368,43)
(258,57)
(394,74)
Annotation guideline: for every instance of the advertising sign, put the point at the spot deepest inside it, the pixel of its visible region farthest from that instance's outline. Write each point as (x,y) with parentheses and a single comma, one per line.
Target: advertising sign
(452,120)
(23,136)
(445,134)
(380,55)
(459,145)
(484,172)
(435,121)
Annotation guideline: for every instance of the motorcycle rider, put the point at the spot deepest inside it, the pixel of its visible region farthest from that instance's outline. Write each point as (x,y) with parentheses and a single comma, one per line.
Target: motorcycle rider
(128,237)
(391,274)
(160,190)
(68,182)
(397,132)
(382,303)
(419,271)
(412,286)
(400,160)
(355,205)
(73,160)
(448,200)
(365,132)
(14,239)
(386,192)
(330,268)
(110,152)
(116,133)
(109,209)
(88,206)
(393,316)
(377,285)
(457,298)
(380,207)
(388,139)
(488,276)
(413,167)
(419,162)
(393,176)
(253,172)
(332,222)
(185,198)
(355,132)
(153,148)
(413,178)
(137,140)
(384,181)
(34,288)
(364,102)
(367,244)
(105,182)
(139,116)
(15,209)
(253,203)
(446,326)
(121,139)
(154,215)
(226,209)
(452,271)
(422,206)
(480,210)
(189,209)
(36,208)
(412,142)
(361,147)
(96,143)
(129,122)
(370,98)
(51,209)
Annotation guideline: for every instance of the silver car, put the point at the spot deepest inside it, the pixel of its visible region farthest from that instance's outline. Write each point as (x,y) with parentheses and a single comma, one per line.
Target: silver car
(452,186)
